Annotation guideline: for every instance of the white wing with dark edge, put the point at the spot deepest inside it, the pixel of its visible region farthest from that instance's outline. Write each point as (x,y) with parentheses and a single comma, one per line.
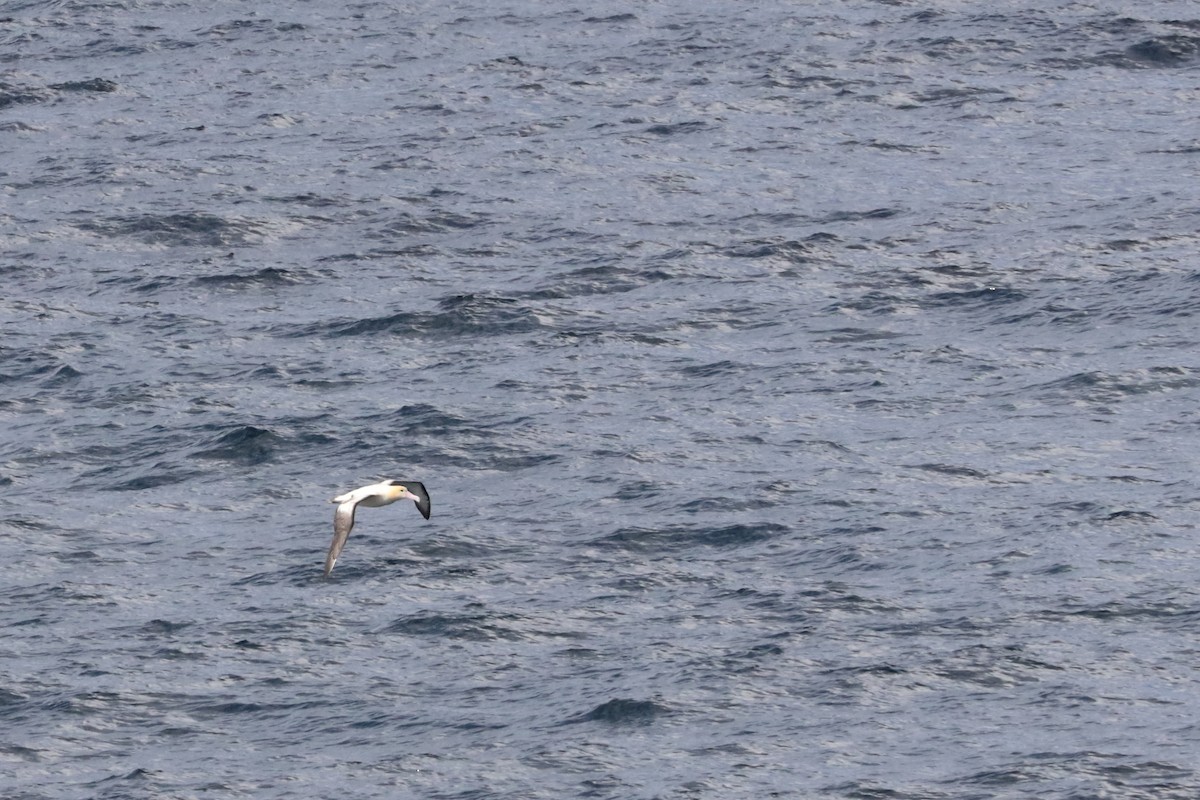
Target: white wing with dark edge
(343,521)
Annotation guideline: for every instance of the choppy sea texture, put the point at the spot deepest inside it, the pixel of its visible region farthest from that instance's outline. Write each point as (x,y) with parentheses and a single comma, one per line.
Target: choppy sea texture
(808,397)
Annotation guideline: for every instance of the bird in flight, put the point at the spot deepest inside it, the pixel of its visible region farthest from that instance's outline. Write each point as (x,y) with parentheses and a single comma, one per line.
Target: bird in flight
(377,494)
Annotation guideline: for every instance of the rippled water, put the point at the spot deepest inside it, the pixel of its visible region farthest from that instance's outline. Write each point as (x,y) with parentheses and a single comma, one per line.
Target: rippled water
(808,397)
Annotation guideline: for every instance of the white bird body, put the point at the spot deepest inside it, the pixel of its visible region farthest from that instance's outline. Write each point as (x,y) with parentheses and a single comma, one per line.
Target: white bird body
(375,495)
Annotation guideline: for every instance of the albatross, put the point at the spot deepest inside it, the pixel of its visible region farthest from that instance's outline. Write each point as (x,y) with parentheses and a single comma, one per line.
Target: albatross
(383,493)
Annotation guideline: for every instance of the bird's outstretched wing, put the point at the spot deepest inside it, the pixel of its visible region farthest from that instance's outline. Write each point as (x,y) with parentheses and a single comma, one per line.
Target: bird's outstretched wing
(343,521)
(418,488)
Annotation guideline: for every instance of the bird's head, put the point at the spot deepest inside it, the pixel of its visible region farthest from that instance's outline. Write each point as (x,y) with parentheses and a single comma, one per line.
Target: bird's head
(399,491)
(411,490)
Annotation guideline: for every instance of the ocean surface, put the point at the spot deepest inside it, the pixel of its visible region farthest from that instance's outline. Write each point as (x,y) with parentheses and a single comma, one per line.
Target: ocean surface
(809,396)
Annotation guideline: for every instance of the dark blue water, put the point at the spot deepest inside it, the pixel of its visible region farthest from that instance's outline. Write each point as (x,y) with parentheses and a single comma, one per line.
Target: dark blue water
(809,399)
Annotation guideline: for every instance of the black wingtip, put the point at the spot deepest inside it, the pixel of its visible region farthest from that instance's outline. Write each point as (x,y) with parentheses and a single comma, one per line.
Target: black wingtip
(418,488)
